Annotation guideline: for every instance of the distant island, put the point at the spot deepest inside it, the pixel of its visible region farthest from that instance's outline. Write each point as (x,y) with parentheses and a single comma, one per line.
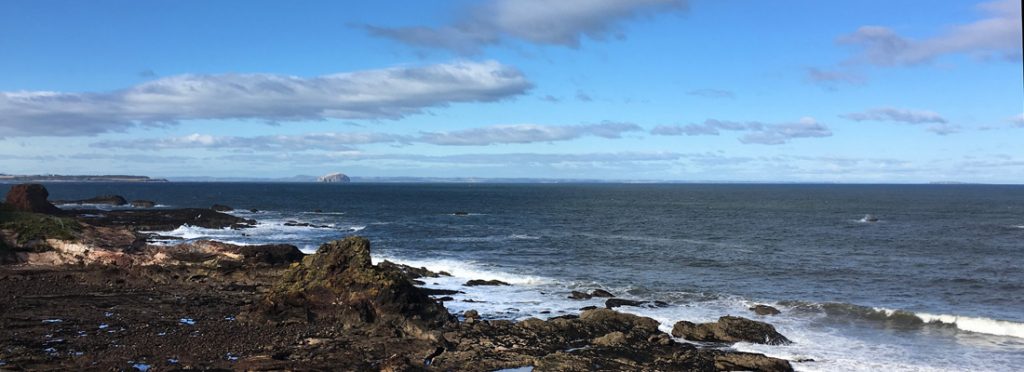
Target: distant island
(334,178)
(4,178)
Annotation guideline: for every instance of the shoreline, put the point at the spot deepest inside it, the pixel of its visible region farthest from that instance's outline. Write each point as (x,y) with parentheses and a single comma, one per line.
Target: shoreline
(105,298)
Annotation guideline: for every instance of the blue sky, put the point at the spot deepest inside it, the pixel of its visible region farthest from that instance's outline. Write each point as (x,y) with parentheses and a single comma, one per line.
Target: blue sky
(791,91)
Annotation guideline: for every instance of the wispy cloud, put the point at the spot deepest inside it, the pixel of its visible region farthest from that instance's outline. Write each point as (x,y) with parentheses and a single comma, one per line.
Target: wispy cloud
(832,78)
(755,132)
(526,133)
(390,93)
(1018,120)
(583,96)
(998,35)
(712,93)
(483,136)
(895,114)
(562,23)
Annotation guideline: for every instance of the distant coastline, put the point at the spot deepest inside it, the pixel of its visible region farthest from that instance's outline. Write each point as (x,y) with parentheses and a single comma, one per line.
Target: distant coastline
(8,178)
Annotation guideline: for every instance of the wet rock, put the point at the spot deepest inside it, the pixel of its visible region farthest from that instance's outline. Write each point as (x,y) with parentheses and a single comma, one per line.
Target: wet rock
(30,197)
(253,210)
(577,295)
(412,272)
(479,282)
(750,362)
(471,314)
(730,329)
(612,303)
(162,219)
(440,292)
(460,213)
(611,339)
(143,203)
(764,310)
(585,308)
(601,293)
(221,208)
(339,284)
(116,200)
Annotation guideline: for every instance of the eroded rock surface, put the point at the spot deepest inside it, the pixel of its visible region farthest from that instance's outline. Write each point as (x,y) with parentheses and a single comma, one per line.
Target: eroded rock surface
(730,329)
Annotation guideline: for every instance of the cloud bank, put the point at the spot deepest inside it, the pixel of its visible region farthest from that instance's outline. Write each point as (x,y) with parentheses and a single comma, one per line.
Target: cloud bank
(562,23)
(996,36)
(390,93)
(755,132)
(483,136)
(894,114)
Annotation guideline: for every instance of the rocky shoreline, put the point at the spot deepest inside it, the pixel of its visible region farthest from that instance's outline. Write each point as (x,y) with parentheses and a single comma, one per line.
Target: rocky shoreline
(83,289)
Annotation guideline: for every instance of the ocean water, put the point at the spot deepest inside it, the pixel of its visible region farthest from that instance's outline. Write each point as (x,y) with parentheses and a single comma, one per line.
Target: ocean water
(936,284)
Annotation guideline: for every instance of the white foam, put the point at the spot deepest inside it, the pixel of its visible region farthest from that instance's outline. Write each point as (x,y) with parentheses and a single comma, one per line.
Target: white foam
(978,325)
(466,269)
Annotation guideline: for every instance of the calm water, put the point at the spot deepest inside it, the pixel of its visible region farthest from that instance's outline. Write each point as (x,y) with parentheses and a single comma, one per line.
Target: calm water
(854,294)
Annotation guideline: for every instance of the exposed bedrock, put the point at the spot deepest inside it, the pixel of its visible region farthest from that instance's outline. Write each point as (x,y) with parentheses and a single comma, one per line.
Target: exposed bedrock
(730,329)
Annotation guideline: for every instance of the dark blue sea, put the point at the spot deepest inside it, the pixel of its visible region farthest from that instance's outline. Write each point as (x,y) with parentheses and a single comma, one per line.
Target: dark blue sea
(936,283)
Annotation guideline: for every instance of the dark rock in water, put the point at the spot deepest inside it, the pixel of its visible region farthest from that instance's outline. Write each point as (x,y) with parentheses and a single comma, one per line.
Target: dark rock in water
(162,219)
(30,197)
(601,293)
(616,302)
(764,310)
(476,282)
(340,284)
(253,210)
(585,308)
(440,292)
(577,295)
(318,211)
(445,299)
(471,314)
(116,200)
(305,224)
(143,203)
(460,213)
(869,218)
(730,329)
(221,208)
(412,272)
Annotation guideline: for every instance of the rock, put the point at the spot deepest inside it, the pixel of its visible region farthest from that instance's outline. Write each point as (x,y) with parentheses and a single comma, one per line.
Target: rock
(730,329)
(334,178)
(476,282)
(471,314)
(162,219)
(601,293)
(221,208)
(577,295)
(30,197)
(612,303)
(339,284)
(271,254)
(143,203)
(253,210)
(439,292)
(764,310)
(585,308)
(460,213)
(413,272)
(115,200)
(611,339)
(736,361)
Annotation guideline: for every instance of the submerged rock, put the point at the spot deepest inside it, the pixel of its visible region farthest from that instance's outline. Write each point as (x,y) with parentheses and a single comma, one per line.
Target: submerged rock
(577,295)
(30,197)
(730,329)
(340,284)
(601,293)
(477,282)
(764,310)
(143,203)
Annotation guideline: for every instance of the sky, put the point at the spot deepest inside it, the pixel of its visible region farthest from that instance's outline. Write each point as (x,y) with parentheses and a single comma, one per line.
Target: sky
(702,90)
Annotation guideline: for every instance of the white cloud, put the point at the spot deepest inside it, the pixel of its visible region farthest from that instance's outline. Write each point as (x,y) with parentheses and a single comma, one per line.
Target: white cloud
(894,114)
(1018,120)
(562,23)
(495,134)
(998,35)
(372,94)
(755,132)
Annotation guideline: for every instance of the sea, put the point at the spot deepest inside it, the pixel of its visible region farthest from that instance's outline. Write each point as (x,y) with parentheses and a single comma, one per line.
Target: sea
(932,280)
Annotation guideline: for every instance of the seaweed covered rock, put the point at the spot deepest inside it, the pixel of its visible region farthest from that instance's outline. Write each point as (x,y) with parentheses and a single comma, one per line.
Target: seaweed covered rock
(340,284)
(116,200)
(163,219)
(730,329)
(30,197)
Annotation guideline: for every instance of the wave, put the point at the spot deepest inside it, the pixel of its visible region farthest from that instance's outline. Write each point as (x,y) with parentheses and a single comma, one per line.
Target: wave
(910,320)
(466,270)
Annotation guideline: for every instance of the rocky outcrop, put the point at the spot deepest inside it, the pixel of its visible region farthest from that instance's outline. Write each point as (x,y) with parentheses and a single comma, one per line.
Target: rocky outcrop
(30,198)
(340,284)
(599,339)
(764,310)
(143,203)
(601,293)
(115,200)
(221,208)
(612,303)
(479,282)
(162,219)
(730,329)
(334,178)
